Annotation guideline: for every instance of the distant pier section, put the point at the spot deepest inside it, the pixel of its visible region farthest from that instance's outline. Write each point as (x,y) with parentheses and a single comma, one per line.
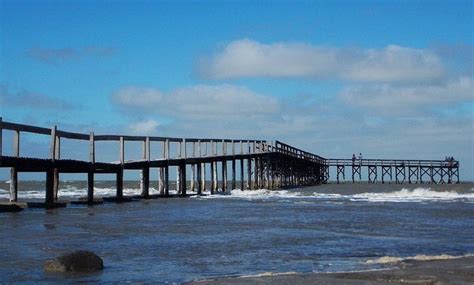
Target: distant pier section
(203,163)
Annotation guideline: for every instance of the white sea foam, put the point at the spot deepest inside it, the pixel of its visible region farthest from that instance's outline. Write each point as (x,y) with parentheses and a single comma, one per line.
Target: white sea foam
(421,257)
(256,194)
(74,192)
(403,195)
(415,195)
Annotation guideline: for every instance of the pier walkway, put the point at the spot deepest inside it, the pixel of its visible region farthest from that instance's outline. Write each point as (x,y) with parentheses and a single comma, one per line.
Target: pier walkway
(253,164)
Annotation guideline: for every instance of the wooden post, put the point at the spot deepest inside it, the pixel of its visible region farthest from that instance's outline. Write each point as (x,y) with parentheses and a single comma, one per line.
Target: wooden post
(166,173)
(119,182)
(183,177)
(178,169)
(90,174)
(233,166)
(57,154)
(122,151)
(224,166)
(166,185)
(203,176)
(145,172)
(13,170)
(162,172)
(193,169)
(199,174)
(51,182)
(242,180)
(49,199)
(249,173)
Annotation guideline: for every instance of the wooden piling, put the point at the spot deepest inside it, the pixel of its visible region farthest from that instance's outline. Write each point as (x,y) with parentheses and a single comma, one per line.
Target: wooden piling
(90,174)
(213,178)
(182,178)
(119,178)
(49,198)
(199,174)
(119,185)
(145,172)
(13,170)
(224,166)
(57,155)
(166,173)
(193,170)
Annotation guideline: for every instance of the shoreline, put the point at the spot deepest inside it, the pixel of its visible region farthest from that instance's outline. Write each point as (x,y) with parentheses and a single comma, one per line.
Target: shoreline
(408,271)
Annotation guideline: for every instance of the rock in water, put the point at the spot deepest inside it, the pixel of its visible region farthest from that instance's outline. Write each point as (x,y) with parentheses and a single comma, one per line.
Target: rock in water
(77,261)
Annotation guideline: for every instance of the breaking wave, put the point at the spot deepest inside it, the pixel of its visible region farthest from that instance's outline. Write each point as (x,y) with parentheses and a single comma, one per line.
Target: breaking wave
(421,257)
(403,195)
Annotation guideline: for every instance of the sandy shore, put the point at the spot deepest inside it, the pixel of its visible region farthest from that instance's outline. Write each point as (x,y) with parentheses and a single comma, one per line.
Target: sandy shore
(448,271)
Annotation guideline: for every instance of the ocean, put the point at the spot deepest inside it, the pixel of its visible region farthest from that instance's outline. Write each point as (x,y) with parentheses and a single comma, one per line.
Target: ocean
(326,228)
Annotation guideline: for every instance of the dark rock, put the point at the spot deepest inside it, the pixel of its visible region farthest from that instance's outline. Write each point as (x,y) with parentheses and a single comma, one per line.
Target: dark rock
(77,261)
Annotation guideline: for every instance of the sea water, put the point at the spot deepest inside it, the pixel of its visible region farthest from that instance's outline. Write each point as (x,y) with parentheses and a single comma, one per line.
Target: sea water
(325,228)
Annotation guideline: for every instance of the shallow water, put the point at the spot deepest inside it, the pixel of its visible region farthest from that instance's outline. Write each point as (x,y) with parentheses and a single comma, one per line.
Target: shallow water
(315,229)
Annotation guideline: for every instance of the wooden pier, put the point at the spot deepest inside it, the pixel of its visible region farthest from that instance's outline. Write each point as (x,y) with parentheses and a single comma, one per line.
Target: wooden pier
(260,163)
(396,170)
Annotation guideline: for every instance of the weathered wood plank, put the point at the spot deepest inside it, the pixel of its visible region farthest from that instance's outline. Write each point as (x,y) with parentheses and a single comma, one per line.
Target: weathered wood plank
(26,128)
(71,135)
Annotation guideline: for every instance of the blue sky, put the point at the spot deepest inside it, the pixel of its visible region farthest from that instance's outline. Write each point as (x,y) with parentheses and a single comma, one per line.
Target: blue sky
(390,79)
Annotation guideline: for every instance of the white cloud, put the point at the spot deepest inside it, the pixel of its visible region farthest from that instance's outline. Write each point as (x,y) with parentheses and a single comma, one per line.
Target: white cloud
(248,58)
(147,127)
(390,98)
(199,102)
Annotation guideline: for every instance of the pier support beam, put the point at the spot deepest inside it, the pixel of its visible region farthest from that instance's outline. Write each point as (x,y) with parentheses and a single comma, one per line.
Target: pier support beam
(199,179)
(13,170)
(145,182)
(234,182)
(413,174)
(166,181)
(224,175)
(249,173)
(213,178)
(372,173)
(340,171)
(13,185)
(242,180)
(400,171)
(49,199)
(182,178)
(203,177)
(355,171)
(386,170)
(90,187)
(119,183)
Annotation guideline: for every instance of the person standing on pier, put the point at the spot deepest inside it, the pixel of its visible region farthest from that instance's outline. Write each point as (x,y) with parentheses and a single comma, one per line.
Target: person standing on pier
(353,159)
(360,158)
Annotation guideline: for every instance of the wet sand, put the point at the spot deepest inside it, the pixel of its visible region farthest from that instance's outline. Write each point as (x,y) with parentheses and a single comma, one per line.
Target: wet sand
(449,271)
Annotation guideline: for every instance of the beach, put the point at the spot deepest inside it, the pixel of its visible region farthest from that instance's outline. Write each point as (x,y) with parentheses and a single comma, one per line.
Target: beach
(444,271)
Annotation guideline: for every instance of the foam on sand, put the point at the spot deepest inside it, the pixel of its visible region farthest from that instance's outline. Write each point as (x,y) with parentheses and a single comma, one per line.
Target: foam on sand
(421,257)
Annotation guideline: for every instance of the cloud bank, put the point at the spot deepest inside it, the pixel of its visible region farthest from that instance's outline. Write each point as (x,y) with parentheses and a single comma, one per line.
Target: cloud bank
(199,101)
(247,58)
